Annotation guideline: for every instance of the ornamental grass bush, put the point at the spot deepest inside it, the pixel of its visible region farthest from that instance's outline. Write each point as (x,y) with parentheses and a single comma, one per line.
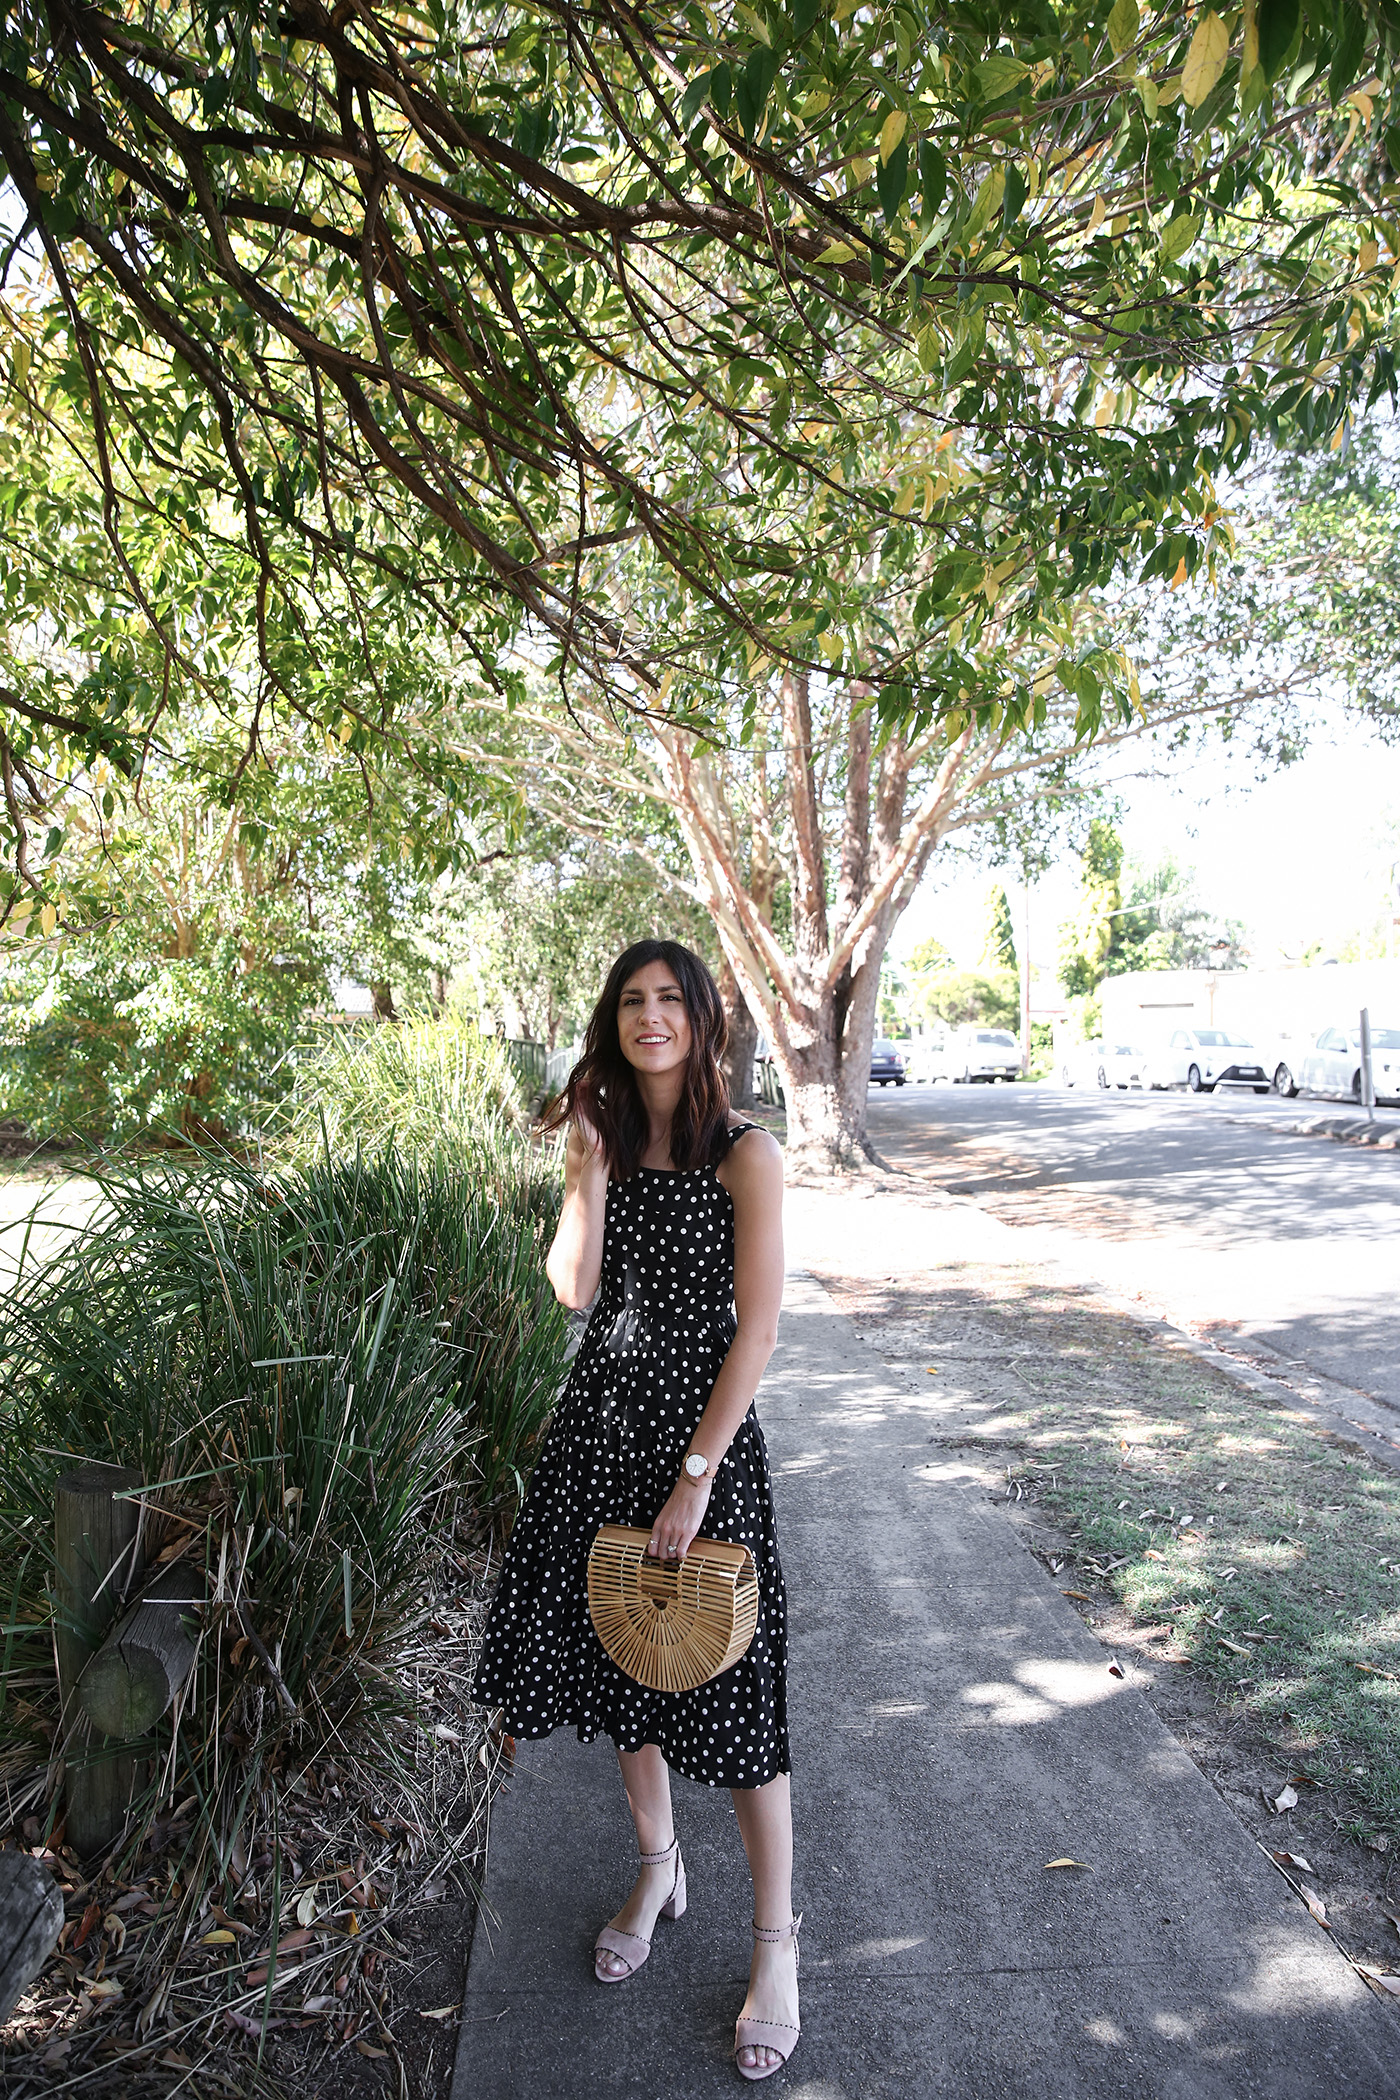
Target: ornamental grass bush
(324,1372)
(430,1084)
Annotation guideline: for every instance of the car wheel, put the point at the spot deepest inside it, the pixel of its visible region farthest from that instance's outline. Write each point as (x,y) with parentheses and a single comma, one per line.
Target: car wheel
(967,1076)
(899,1082)
(1103,1077)
(1285,1083)
(1356,1086)
(1065,1080)
(1193,1080)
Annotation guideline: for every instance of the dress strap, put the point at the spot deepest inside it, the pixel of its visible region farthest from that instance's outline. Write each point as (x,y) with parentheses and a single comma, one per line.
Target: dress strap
(736,1130)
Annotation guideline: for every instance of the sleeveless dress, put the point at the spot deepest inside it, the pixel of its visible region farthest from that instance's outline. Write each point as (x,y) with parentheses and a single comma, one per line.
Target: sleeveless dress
(652,1350)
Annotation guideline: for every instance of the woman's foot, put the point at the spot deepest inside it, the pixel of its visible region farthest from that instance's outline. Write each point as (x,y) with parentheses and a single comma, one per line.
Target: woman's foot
(652,1890)
(772,1999)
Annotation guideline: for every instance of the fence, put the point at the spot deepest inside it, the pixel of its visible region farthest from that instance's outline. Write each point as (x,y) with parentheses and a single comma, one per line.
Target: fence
(541,1072)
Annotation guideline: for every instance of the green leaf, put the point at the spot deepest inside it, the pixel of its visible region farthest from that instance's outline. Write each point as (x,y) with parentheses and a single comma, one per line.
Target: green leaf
(697,93)
(804,14)
(1351,48)
(997,75)
(1014,197)
(891,181)
(1123,26)
(752,88)
(933,177)
(1278,24)
(988,200)
(1179,235)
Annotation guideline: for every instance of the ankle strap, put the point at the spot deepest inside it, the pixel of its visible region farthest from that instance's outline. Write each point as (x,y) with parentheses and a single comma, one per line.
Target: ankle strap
(774,1935)
(658,1859)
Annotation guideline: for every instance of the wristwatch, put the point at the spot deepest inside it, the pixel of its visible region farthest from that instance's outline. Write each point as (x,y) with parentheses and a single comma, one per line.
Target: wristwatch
(697,1467)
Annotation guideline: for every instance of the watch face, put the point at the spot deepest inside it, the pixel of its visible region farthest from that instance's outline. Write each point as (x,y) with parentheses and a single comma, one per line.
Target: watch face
(695,1466)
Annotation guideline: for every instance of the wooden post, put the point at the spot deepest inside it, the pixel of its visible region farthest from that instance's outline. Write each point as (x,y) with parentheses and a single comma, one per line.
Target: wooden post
(31,1918)
(144,1660)
(96,1563)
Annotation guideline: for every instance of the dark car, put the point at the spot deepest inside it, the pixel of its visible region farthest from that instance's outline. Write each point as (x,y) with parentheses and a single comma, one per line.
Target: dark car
(886,1063)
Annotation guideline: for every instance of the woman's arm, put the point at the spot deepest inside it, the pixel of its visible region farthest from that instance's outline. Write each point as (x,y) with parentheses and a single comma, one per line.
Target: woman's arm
(575,1259)
(753,1175)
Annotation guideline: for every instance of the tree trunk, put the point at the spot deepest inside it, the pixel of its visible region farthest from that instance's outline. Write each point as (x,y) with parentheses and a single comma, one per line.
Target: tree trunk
(382,1001)
(738,1058)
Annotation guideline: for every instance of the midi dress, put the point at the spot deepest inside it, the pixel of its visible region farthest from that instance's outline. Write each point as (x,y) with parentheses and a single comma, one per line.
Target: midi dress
(658,1335)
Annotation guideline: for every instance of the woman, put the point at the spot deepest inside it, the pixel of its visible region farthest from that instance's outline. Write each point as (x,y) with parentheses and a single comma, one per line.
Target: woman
(674,1206)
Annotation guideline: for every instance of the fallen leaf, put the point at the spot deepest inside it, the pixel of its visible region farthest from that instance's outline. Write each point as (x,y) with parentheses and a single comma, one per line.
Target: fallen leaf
(306,1907)
(1235,1648)
(434,1891)
(1082,1595)
(1153,1554)
(106,1989)
(1115,1668)
(1379,1976)
(321,2003)
(221,1937)
(1315,1905)
(92,1918)
(442,2012)
(1066,1863)
(1284,1800)
(291,1941)
(368,2049)
(1294,1860)
(247,2026)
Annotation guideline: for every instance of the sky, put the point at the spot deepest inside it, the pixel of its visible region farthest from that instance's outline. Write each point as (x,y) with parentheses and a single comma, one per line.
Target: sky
(1300,857)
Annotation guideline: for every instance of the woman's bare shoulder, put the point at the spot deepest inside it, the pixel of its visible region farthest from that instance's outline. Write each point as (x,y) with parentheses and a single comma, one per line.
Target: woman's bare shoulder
(753,1158)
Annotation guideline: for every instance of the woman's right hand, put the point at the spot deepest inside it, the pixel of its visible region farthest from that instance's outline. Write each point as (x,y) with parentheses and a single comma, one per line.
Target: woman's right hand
(592,1143)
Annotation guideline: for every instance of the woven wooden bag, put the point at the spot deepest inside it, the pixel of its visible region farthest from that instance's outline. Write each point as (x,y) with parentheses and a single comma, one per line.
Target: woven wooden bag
(671,1625)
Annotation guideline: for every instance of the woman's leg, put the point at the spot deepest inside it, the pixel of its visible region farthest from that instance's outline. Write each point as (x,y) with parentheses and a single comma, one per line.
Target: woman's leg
(647,1778)
(765,1824)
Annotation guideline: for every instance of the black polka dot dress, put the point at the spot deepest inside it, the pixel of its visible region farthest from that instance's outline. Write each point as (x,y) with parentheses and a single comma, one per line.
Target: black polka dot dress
(658,1335)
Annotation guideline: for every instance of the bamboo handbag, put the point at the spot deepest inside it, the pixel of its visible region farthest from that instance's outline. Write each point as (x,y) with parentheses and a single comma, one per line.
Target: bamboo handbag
(671,1625)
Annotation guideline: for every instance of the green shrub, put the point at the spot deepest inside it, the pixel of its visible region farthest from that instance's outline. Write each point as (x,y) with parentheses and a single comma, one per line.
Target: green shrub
(329,1366)
(109,1045)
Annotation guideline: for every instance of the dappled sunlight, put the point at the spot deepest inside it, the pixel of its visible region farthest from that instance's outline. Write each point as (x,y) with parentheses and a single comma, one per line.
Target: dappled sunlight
(1041,1691)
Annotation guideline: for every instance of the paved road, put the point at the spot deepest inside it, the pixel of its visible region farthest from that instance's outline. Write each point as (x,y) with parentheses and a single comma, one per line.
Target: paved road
(1193,1205)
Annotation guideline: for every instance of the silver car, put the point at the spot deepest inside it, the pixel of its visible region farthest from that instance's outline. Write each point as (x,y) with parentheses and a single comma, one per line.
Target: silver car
(973,1053)
(1205,1058)
(1333,1064)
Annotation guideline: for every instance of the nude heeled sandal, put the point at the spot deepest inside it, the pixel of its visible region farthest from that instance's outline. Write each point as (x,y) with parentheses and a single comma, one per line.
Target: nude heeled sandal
(778,2035)
(630,1946)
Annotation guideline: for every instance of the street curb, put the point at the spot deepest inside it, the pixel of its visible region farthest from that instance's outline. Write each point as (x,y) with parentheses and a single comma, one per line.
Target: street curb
(1346,1130)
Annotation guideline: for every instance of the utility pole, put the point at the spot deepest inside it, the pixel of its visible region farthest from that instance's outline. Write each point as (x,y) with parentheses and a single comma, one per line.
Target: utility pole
(1026,976)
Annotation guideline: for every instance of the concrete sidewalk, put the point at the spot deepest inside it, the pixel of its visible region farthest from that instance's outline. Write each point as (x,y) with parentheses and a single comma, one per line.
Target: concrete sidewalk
(955,1727)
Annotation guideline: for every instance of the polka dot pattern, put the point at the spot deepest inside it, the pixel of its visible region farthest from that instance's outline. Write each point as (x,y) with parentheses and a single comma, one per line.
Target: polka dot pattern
(658,1335)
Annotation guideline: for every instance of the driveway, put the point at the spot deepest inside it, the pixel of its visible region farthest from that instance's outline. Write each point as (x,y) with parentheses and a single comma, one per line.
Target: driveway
(1190,1204)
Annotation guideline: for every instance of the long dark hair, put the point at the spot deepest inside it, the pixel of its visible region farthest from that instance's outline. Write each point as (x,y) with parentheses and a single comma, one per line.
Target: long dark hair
(603,1086)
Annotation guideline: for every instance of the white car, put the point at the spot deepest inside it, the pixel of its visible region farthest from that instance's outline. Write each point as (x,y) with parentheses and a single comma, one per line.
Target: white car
(1205,1058)
(980,1053)
(1333,1064)
(925,1062)
(1282,1056)
(1105,1064)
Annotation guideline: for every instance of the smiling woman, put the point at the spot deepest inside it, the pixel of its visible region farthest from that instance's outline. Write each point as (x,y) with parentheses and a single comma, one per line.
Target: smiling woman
(672,1223)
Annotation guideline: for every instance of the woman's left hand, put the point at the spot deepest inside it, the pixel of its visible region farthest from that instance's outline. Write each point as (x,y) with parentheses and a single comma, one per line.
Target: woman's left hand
(680,1519)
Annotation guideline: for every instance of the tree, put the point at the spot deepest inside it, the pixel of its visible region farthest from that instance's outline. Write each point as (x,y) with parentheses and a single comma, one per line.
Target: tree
(807,832)
(532,933)
(999,938)
(1086,939)
(469,316)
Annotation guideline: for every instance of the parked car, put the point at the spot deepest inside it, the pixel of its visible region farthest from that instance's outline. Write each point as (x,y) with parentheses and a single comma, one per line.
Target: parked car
(1282,1056)
(1105,1064)
(973,1053)
(1333,1064)
(1205,1058)
(924,1062)
(886,1063)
